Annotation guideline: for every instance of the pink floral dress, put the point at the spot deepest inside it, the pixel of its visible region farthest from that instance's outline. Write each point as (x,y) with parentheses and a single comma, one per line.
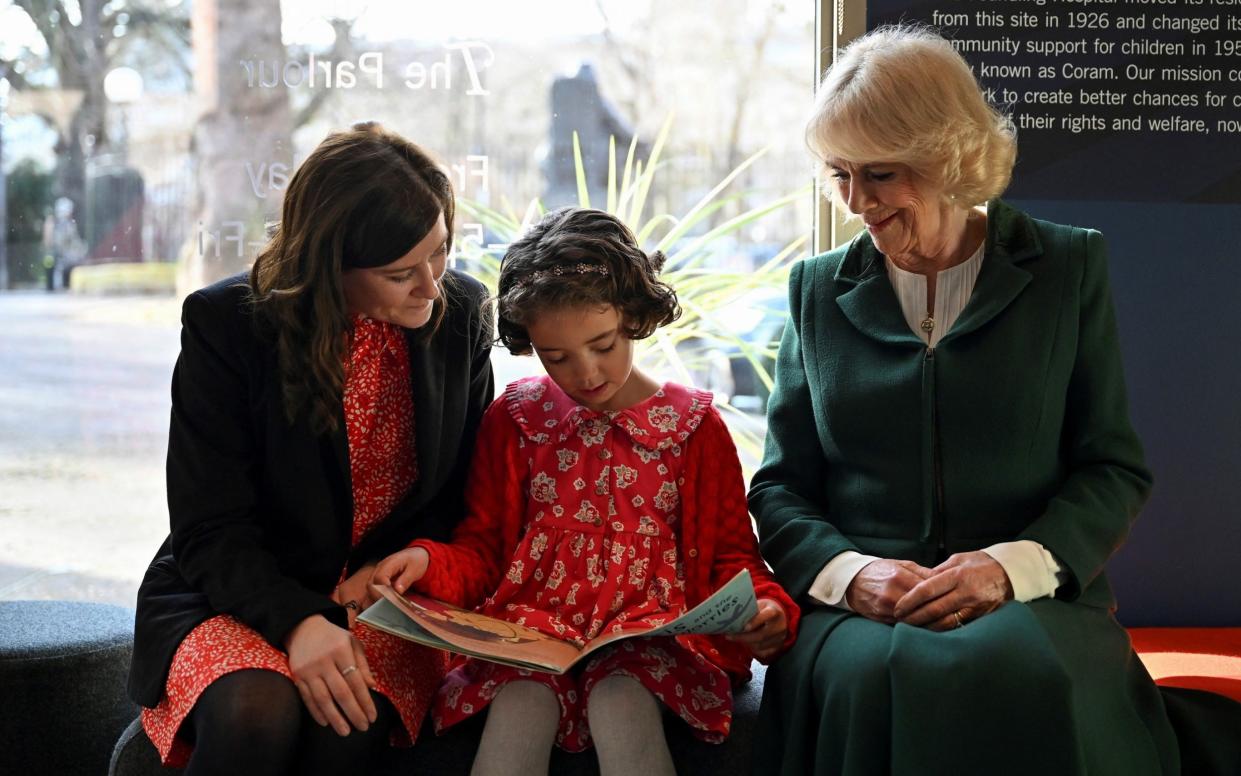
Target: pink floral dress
(599,555)
(379,422)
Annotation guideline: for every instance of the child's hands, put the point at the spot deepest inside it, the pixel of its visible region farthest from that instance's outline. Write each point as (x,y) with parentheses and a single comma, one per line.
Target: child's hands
(765,632)
(355,593)
(401,569)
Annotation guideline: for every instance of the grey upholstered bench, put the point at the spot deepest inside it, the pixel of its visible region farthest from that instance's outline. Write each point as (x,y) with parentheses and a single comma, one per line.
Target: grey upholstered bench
(63,666)
(452,753)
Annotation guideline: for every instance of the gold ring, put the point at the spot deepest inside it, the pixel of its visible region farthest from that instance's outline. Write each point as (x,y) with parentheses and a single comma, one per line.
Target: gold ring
(957,614)
(348,670)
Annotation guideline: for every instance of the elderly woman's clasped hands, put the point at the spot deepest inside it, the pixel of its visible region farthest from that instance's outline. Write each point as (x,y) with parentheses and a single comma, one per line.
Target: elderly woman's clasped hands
(964,587)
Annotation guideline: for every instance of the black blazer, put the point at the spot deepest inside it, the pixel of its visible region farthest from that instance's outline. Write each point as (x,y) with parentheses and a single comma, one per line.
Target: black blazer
(260,510)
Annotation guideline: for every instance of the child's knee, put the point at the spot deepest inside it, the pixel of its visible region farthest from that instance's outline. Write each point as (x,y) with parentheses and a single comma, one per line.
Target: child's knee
(534,702)
(626,722)
(621,694)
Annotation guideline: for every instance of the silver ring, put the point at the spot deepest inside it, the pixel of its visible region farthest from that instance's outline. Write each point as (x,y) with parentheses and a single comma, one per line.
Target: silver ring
(348,670)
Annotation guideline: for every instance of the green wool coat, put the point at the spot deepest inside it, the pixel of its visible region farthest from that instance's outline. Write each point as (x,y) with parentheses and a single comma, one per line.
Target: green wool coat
(1015,426)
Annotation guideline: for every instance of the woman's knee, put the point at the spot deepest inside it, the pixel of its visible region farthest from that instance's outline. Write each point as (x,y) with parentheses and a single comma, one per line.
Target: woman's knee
(1029,670)
(250,707)
(995,661)
(323,742)
(848,675)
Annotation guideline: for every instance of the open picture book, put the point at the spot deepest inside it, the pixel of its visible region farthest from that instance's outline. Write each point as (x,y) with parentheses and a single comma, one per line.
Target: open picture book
(444,626)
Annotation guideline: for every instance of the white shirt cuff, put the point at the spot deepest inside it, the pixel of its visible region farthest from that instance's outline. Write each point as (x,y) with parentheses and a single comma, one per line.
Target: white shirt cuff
(1032,570)
(830,585)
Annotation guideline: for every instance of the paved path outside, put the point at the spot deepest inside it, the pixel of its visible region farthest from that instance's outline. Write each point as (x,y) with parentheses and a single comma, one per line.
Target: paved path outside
(83,433)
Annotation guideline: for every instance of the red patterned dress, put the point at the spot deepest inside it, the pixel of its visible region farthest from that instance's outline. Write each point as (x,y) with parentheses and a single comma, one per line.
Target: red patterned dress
(590,505)
(379,422)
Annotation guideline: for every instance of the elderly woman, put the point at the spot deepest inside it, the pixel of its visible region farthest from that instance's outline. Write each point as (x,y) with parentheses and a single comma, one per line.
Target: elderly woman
(324,409)
(949,462)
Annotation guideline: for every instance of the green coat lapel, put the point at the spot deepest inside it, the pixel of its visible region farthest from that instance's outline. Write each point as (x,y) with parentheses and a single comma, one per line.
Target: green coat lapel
(870,304)
(1011,239)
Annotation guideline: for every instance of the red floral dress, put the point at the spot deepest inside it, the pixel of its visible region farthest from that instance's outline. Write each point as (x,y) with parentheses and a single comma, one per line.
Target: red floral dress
(599,554)
(379,423)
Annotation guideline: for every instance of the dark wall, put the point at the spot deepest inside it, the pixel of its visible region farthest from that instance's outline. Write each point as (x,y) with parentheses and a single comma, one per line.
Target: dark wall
(1176,279)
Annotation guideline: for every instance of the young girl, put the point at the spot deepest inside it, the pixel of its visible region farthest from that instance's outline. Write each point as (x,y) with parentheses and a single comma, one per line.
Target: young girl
(599,501)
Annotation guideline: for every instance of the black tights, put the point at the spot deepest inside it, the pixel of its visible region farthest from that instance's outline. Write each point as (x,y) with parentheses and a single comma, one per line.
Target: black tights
(254,722)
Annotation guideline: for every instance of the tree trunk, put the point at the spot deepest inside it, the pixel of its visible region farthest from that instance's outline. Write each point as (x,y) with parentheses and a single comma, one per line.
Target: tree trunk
(243,129)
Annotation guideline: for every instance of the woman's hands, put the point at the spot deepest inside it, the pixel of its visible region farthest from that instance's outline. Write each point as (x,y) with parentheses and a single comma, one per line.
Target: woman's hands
(764,634)
(965,587)
(876,589)
(331,674)
(401,569)
(328,664)
(962,588)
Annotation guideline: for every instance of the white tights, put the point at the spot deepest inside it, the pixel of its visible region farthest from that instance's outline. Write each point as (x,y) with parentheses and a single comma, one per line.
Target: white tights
(625,723)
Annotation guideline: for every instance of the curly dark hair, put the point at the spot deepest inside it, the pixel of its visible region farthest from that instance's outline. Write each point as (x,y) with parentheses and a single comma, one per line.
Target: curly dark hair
(363,198)
(579,257)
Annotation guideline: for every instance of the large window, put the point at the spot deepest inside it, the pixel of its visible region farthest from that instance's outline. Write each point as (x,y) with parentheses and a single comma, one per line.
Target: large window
(145,146)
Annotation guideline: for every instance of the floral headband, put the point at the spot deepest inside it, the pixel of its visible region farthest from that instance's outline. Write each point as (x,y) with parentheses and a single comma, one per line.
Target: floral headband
(560,271)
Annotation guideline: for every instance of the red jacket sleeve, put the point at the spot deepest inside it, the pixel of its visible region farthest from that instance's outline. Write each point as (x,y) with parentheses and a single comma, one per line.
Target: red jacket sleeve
(718,500)
(467,569)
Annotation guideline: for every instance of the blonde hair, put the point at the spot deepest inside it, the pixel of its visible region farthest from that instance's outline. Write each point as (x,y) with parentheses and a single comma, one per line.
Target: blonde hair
(902,94)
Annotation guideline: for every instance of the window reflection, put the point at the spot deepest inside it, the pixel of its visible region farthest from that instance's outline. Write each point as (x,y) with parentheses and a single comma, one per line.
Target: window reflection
(146,148)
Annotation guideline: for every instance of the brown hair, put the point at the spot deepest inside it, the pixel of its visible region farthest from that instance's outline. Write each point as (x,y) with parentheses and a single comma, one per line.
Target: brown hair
(578,257)
(364,197)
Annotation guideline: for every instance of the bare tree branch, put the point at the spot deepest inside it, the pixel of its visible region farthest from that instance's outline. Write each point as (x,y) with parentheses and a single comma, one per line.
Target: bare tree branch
(169,32)
(15,79)
(747,79)
(72,36)
(175,45)
(60,36)
(40,13)
(148,20)
(636,73)
(342,48)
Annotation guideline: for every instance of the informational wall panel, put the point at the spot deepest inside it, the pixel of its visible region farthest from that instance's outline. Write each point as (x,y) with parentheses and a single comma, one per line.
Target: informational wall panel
(1115,97)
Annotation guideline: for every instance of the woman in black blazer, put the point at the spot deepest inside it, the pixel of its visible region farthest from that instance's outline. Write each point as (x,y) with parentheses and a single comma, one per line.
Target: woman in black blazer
(324,413)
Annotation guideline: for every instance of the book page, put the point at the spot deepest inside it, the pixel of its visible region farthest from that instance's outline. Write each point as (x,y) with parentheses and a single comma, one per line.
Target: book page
(385,616)
(726,611)
(444,626)
(470,633)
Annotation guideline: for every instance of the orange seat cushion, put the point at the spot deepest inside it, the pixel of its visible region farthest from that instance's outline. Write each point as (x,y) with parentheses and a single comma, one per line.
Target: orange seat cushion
(1194,658)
